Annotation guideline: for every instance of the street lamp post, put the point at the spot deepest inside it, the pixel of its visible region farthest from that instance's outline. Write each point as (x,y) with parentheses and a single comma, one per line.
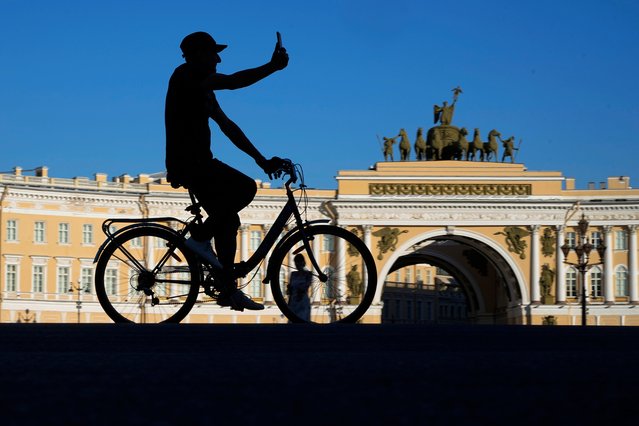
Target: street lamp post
(583,249)
(78,289)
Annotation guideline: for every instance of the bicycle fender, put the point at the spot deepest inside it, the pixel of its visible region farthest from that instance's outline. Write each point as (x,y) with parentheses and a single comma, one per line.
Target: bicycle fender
(119,232)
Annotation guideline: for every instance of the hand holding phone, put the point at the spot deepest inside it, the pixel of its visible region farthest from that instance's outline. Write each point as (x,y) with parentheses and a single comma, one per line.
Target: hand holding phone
(280,57)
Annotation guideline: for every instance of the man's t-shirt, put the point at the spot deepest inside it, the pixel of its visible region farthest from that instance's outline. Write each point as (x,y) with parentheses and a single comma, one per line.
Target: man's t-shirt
(186,118)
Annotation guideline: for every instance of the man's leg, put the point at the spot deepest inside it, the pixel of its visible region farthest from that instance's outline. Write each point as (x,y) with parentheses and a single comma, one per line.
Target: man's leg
(223,192)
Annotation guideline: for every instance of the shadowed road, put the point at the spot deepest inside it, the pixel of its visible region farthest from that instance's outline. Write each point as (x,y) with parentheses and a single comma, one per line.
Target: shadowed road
(297,374)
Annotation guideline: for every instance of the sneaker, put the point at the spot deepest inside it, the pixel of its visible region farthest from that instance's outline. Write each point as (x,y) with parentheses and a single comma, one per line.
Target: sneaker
(204,250)
(239,301)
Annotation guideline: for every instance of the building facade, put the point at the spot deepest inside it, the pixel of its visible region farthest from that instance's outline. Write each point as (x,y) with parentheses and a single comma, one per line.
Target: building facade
(469,241)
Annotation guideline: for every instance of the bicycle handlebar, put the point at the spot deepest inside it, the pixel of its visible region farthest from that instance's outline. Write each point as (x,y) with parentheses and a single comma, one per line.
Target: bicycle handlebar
(288,167)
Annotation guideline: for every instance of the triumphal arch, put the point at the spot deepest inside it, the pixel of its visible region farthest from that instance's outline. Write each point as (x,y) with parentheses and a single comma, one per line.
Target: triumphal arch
(499,229)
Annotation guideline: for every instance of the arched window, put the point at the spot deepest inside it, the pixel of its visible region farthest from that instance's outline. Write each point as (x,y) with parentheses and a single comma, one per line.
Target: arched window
(571,282)
(621,281)
(595,282)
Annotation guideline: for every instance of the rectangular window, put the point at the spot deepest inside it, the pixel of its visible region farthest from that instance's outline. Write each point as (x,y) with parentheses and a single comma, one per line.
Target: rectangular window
(256,239)
(255,286)
(38,232)
(571,282)
(409,275)
(595,239)
(111,281)
(38,279)
(136,242)
(63,233)
(595,282)
(429,277)
(328,243)
(571,239)
(11,277)
(621,281)
(86,280)
(63,280)
(87,234)
(12,230)
(621,240)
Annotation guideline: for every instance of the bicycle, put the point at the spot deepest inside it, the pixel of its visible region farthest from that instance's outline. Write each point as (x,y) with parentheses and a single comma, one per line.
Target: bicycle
(145,273)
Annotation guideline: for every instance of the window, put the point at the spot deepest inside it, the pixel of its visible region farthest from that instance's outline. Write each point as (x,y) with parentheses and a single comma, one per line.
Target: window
(621,281)
(621,240)
(87,234)
(111,281)
(11,278)
(38,232)
(595,282)
(255,286)
(63,233)
(38,279)
(418,276)
(86,280)
(330,288)
(595,239)
(136,242)
(571,282)
(571,239)
(429,277)
(256,238)
(12,230)
(409,275)
(63,279)
(328,243)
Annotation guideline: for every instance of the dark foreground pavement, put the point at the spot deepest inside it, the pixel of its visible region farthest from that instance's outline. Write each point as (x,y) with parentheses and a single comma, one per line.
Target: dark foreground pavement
(295,374)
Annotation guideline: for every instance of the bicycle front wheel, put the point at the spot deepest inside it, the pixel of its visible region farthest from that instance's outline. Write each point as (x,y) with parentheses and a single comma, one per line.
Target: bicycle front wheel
(146,275)
(351,276)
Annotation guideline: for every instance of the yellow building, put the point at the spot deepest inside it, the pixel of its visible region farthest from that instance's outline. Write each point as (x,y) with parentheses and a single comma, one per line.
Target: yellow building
(496,229)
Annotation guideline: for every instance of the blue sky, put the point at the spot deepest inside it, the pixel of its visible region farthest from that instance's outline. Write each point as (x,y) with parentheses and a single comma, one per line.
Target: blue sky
(83,83)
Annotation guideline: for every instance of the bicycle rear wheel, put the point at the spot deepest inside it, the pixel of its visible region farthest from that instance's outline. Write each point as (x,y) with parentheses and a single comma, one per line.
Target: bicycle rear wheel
(343,257)
(146,275)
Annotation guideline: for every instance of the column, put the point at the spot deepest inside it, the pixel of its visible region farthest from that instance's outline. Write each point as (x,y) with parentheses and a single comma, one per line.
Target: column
(367,241)
(244,247)
(535,293)
(609,290)
(340,255)
(560,267)
(317,246)
(632,265)
(268,291)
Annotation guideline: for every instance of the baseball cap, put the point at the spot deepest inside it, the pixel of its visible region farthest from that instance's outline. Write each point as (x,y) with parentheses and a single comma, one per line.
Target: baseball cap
(200,40)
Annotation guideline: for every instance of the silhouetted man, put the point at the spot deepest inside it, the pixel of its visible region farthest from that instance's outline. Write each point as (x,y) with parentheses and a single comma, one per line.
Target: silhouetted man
(222,190)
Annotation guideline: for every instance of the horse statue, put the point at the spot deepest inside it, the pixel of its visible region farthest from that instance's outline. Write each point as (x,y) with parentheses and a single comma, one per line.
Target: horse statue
(491,146)
(388,148)
(404,145)
(477,146)
(420,145)
(437,146)
(462,145)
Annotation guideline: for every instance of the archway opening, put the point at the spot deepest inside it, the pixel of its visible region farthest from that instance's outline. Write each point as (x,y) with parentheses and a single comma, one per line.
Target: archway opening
(450,279)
